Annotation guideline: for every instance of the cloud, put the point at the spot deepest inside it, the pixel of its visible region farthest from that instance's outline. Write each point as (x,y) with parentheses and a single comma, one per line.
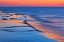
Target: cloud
(61,4)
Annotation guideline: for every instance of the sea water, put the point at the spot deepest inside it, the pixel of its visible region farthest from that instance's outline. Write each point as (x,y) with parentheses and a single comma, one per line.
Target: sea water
(51,17)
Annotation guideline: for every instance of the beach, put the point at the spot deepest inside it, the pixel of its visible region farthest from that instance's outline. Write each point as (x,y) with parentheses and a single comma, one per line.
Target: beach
(34,27)
(16,28)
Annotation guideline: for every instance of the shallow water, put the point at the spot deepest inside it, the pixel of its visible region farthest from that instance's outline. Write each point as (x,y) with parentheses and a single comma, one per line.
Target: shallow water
(50,18)
(17,30)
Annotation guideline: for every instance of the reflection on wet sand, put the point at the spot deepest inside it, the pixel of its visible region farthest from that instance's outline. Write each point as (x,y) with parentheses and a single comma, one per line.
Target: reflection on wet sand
(29,17)
(48,33)
(23,28)
(14,26)
(16,16)
(11,21)
(54,36)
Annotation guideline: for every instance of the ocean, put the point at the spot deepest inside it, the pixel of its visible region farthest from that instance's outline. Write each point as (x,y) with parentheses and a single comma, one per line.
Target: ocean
(50,17)
(46,15)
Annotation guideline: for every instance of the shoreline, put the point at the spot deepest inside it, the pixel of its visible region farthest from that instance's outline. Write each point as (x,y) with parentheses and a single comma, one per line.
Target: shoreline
(48,33)
(32,23)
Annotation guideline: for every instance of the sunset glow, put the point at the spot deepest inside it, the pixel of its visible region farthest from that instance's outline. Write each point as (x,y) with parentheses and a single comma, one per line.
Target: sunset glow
(31,3)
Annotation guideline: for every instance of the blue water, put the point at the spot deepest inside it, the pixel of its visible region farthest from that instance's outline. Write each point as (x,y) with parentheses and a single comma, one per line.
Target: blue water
(34,10)
(51,17)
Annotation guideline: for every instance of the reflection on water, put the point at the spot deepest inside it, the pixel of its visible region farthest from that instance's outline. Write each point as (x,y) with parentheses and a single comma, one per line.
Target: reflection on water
(54,36)
(18,32)
(53,23)
(51,19)
(15,28)
(48,32)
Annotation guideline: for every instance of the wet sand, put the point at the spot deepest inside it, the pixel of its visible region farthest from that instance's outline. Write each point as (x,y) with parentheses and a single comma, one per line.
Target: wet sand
(23,28)
(48,32)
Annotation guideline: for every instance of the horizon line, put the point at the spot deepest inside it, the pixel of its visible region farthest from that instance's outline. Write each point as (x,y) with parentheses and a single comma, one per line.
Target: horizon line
(21,6)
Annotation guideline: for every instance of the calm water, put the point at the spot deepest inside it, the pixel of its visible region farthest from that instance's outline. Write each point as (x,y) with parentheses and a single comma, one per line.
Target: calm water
(52,18)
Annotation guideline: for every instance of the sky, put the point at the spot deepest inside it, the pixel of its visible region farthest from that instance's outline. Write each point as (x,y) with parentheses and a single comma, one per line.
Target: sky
(31,3)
